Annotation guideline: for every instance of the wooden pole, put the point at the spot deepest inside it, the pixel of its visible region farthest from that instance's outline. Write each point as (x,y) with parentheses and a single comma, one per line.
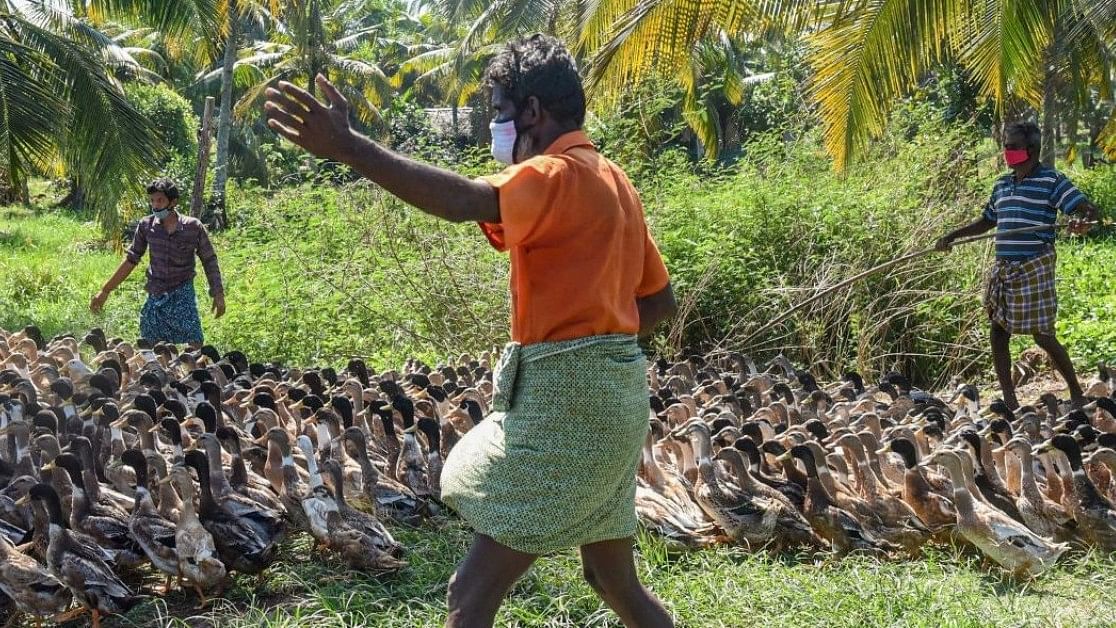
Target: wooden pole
(197,201)
(895,262)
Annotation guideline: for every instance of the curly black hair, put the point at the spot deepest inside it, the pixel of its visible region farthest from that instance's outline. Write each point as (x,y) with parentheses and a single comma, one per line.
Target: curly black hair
(164,185)
(1029,131)
(540,66)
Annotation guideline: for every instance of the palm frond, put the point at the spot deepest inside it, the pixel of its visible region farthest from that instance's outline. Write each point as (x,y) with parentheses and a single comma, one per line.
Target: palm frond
(863,60)
(30,108)
(1107,138)
(170,16)
(632,40)
(106,142)
(1002,42)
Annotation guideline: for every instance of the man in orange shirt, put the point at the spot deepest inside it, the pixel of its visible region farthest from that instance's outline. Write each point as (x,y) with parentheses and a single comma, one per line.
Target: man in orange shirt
(554,466)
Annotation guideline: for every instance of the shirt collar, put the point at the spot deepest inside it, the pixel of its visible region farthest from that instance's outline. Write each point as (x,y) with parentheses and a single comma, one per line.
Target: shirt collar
(568,140)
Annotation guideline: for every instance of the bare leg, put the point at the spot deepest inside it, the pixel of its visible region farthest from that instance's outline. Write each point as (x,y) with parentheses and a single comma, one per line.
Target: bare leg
(609,567)
(70,615)
(478,587)
(202,601)
(1060,357)
(1001,358)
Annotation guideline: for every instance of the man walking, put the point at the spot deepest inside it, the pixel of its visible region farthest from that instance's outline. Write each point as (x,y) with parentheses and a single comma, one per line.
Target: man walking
(1020,296)
(555,466)
(171,311)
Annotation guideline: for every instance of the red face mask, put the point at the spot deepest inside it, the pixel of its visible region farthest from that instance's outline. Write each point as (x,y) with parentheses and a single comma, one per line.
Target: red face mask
(1015,156)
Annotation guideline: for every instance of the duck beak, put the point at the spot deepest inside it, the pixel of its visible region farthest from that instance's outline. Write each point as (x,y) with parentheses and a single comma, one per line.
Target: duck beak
(783,457)
(50,466)
(1092,405)
(883,451)
(1044,447)
(153,429)
(23,501)
(163,481)
(119,423)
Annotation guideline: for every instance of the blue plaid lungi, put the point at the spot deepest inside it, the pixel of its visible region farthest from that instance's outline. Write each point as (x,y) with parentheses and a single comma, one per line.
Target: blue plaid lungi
(1021,295)
(172,316)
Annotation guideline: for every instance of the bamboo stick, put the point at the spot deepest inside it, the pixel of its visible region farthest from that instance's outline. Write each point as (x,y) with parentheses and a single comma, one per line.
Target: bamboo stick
(886,265)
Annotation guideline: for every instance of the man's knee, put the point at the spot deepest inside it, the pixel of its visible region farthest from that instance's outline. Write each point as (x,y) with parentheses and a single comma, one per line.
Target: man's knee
(607,580)
(999,331)
(1045,339)
(591,577)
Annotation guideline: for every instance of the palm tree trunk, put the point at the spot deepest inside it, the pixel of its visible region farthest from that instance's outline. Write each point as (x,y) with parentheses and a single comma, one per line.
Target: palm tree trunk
(1049,119)
(1049,104)
(75,197)
(224,123)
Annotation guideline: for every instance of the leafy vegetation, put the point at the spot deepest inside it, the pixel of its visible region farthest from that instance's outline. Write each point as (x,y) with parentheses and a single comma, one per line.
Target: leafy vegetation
(333,269)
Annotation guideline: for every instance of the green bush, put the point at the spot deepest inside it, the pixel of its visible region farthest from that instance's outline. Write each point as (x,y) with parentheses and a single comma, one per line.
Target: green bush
(324,271)
(172,115)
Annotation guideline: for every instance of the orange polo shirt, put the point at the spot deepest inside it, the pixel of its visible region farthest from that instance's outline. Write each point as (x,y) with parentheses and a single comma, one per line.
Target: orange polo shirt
(580,250)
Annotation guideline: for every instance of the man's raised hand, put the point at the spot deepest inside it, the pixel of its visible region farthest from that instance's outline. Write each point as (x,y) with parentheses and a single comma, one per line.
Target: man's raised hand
(322,128)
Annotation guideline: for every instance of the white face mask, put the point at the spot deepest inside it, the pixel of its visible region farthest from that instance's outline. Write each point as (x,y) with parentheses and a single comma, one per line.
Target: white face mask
(503,141)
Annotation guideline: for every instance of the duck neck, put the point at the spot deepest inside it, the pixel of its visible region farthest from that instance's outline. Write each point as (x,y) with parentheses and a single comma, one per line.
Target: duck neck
(206,502)
(962,496)
(1014,473)
(865,477)
(312,469)
(147,438)
(367,469)
(218,483)
(1028,487)
(339,486)
(188,514)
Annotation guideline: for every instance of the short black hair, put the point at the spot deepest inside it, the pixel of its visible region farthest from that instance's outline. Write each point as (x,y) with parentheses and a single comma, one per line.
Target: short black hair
(164,185)
(540,66)
(1029,131)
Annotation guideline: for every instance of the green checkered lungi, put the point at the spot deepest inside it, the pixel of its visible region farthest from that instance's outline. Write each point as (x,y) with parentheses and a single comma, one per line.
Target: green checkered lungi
(1021,295)
(554,466)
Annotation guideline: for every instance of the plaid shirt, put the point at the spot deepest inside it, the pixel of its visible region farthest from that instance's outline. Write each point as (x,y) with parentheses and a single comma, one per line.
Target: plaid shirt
(172,254)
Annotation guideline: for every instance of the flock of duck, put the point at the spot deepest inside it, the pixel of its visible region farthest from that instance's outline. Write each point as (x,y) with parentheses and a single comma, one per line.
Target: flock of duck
(773,460)
(118,460)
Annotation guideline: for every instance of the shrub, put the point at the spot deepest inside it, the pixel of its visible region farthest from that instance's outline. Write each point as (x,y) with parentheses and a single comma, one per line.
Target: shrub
(173,117)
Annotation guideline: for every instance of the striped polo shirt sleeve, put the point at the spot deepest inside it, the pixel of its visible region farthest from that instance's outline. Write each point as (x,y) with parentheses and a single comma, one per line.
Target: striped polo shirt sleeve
(989,212)
(1065,195)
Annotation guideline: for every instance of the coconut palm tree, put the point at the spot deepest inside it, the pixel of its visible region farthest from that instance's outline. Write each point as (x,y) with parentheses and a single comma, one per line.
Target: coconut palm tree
(65,112)
(866,53)
(311,37)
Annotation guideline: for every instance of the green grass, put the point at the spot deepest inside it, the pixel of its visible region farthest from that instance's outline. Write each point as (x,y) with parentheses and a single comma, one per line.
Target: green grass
(721,587)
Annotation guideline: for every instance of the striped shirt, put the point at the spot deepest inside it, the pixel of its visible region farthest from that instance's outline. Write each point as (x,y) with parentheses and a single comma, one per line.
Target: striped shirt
(172,254)
(1034,201)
